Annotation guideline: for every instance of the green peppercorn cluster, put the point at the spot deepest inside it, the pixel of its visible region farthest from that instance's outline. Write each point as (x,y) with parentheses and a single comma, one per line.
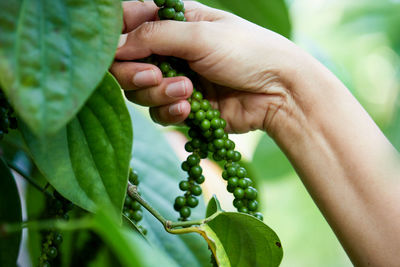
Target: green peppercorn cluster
(171,9)
(7,116)
(57,208)
(208,138)
(132,208)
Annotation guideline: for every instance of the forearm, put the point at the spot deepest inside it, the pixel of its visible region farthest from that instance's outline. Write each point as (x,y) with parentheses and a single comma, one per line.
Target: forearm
(347,164)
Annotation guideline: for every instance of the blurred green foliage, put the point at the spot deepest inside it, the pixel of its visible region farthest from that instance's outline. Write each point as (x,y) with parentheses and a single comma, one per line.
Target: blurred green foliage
(271,14)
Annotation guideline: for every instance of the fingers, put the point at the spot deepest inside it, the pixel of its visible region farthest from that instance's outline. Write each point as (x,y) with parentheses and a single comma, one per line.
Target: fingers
(168,92)
(135,13)
(133,75)
(185,40)
(171,114)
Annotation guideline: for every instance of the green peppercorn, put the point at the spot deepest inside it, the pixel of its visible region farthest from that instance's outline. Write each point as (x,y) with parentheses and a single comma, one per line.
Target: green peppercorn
(252,205)
(230,189)
(231,171)
(218,143)
(205,125)
(180,201)
(205,105)
(185,166)
(238,203)
(215,123)
(197,96)
(200,115)
(210,114)
(239,193)
(251,193)
(237,156)
(159,3)
(166,13)
(179,6)
(188,147)
(136,205)
(243,210)
(194,106)
(52,252)
(185,212)
(243,183)
(193,160)
(171,73)
(165,67)
(195,171)
(259,216)
(184,185)
(219,133)
(196,143)
(170,3)
(137,215)
(58,239)
(201,179)
(233,181)
(249,181)
(179,16)
(192,201)
(196,190)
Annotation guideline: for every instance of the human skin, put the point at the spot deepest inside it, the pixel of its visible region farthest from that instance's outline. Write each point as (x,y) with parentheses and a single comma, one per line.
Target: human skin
(260,80)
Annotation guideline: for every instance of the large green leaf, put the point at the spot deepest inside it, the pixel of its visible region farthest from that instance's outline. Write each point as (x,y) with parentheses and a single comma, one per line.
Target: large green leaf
(239,239)
(88,160)
(269,162)
(271,14)
(10,212)
(53,54)
(159,174)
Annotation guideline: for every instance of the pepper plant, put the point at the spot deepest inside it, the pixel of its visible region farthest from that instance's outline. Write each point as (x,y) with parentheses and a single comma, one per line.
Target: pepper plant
(101,181)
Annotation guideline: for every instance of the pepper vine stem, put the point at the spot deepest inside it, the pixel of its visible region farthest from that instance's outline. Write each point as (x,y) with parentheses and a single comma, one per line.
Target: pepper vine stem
(10,228)
(28,178)
(168,225)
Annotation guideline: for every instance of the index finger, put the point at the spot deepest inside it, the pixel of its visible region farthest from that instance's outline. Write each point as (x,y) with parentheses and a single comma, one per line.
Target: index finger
(135,13)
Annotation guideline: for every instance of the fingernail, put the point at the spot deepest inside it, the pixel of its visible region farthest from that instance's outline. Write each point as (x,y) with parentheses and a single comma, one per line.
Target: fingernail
(177,89)
(122,40)
(175,109)
(145,78)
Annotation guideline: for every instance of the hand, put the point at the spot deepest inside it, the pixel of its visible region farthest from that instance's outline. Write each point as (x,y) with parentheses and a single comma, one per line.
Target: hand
(245,69)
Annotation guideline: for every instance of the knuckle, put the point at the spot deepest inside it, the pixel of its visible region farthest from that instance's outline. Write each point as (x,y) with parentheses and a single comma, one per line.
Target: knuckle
(199,30)
(147,30)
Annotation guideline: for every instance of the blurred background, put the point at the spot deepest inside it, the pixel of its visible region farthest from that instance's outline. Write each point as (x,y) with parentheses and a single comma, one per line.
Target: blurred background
(359,41)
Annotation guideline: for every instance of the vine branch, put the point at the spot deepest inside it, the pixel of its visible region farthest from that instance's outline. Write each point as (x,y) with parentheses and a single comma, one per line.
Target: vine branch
(27,178)
(168,225)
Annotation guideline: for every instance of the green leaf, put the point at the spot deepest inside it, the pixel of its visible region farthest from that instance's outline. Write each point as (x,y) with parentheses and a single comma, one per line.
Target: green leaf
(131,225)
(53,54)
(269,162)
(213,206)
(271,14)
(88,160)
(238,239)
(159,174)
(10,212)
(129,247)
